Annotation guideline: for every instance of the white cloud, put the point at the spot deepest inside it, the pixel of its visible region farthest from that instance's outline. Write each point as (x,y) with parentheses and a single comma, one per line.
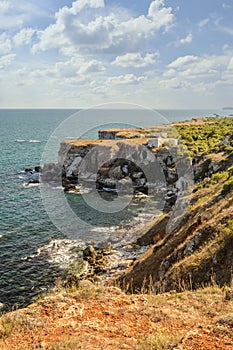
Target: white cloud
(160,14)
(227,30)
(93,66)
(6,60)
(226,47)
(223,28)
(102,29)
(14,13)
(78,6)
(183,41)
(230,65)
(193,67)
(169,72)
(203,23)
(226,6)
(174,83)
(183,60)
(187,40)
(125,79)
(24,36)
(73,70)
(135,60)
(4,6)
(5,44)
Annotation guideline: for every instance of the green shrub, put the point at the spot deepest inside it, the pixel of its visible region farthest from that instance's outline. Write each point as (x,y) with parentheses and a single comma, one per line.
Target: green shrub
(228,186)
(216,178)
(230,171)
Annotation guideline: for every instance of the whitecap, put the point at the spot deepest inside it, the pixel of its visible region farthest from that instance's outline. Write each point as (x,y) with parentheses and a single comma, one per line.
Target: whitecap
(103,229)
(29,141)
(27,184)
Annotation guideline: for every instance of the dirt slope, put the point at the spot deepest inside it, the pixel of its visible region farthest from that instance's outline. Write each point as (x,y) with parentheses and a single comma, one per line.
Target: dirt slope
(94,317)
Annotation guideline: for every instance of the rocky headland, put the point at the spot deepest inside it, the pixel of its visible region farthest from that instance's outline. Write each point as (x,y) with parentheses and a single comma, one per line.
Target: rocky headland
(181,283)
(190,243)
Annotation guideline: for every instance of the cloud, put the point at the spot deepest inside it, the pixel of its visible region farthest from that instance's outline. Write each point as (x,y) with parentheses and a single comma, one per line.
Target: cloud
(24,36)
(180,62)
(226,6)
(183,41)
(203,23)
(227,30)
(14,13)
(78,6)
(8,17)
(135,60)
(6,60)
(230,65)
(222,28)
(4,6)
(75,69)
(160,14)
(200,70)
(187,40)
(93,66)
(174,83)
(77,66)
(91,27)
(5,44)
(125,79)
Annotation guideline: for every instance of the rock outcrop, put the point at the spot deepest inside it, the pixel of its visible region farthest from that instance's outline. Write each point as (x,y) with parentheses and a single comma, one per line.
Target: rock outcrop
(129,165)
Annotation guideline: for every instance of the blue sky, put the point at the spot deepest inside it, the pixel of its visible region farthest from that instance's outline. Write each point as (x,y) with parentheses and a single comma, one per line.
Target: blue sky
(159,54)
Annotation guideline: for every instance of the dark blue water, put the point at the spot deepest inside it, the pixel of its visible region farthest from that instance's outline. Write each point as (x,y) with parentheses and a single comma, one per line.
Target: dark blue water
(24,223)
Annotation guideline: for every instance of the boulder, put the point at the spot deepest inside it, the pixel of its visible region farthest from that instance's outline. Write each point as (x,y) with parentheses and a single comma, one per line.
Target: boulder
(28,170)
(34,178)
(89,251)
(70,188)
(38,169)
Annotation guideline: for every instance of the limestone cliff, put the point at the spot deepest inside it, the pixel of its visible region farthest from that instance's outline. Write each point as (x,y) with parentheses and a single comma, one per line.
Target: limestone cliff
(124,164)
(199,251)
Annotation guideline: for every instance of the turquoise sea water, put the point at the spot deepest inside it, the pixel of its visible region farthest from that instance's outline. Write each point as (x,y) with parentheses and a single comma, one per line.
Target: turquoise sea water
(24,223)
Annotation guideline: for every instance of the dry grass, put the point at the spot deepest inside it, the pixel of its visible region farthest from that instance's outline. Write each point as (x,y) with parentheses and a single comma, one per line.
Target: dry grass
(96,317)
(227,319)
(160,341)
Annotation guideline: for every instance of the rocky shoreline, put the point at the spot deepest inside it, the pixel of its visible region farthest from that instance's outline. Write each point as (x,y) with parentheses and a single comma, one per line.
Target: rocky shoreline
(113,161)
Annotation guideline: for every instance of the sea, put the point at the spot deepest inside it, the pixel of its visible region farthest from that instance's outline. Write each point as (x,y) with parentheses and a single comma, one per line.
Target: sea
(26,229)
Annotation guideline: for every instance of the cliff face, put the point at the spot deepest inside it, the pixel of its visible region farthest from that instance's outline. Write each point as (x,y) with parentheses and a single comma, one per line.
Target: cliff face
(200,247)
(200,250)
(121,165)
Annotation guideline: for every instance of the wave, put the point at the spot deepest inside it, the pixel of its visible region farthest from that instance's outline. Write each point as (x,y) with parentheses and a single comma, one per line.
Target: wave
(29,141)
(28,184)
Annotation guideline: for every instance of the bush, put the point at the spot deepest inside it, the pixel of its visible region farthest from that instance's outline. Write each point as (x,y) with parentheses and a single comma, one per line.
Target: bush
(216,178)
(228,186)
(230,171)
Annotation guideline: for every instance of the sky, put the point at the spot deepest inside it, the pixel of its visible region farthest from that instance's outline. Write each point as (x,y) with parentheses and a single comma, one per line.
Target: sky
(155,53)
